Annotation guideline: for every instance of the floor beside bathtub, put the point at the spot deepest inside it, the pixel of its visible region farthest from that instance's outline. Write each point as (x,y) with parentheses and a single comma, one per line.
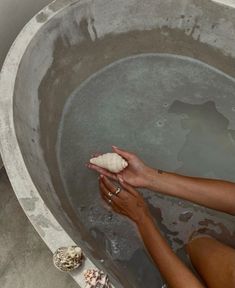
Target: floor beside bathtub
(25,261)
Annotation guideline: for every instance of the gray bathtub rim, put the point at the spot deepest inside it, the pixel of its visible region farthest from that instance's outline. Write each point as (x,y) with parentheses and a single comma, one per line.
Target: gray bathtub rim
(53,235)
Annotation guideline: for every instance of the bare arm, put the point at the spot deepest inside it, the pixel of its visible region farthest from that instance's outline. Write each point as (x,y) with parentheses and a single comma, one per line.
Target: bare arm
(131,204)
(215,194)
(176,274)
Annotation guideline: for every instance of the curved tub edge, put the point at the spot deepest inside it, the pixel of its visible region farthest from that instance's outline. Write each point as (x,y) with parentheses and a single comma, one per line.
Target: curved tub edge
(52,234)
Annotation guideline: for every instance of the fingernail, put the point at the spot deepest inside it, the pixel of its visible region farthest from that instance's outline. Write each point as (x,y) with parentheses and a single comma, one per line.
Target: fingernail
(115,147)
(101,176)
(120,179)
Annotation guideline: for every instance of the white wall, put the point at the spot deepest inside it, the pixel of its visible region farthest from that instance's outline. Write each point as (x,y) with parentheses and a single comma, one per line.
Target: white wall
(14,14)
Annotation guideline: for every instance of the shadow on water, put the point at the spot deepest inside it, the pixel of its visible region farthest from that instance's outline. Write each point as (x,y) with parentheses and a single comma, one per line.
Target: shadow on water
(140,265)
(209,148)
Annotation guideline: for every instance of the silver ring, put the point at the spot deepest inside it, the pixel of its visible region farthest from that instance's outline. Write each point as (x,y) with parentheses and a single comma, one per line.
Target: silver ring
(110,195)
(118,191)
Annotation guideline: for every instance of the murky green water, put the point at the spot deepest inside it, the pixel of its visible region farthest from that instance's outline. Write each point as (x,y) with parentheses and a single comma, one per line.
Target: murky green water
(177,114)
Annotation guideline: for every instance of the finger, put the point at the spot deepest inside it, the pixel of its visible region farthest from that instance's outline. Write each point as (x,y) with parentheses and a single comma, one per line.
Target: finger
(107,201)
(127,187)
(123,153)
(116,199)
(101,171)
(104,191)
(109,185)
(111,188)
(115,207)
(97,154)
(110,204)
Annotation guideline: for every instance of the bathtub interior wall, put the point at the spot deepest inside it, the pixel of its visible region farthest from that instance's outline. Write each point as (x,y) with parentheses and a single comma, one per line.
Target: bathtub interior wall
(79,41)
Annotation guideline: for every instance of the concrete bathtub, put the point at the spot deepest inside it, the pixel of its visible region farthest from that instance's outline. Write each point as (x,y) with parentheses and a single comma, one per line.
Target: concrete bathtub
(145,75)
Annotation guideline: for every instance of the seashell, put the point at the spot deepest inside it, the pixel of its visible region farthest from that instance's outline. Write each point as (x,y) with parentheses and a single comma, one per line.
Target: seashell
(96,279)
(68,258)
(110,161)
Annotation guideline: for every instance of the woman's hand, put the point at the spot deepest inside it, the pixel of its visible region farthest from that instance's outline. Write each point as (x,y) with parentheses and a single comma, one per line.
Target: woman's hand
(136,174)
(127,202)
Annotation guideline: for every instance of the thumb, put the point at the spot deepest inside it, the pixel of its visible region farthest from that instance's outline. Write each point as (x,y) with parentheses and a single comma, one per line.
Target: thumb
(123,153)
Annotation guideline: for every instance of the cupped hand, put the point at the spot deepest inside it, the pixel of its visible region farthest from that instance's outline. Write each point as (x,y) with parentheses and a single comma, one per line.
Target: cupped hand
(136,174)
(127,202)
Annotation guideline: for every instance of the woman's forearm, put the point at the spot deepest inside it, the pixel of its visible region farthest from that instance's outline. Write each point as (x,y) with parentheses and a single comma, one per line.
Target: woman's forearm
(176,274)
(215,194)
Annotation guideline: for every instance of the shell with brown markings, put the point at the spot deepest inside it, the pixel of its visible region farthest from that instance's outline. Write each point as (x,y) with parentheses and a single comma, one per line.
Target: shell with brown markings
(68,258)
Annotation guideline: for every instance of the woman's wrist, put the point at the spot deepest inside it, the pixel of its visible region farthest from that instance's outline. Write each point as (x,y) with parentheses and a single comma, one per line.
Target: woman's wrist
(144,218)
(152,178)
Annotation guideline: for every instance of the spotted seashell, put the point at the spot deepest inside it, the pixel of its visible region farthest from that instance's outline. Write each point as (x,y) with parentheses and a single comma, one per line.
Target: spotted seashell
(96,279)
(68,258)
(110,161)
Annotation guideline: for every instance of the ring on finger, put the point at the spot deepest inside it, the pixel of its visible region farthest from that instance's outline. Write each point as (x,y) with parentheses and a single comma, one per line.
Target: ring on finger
(118,191)
(110,195)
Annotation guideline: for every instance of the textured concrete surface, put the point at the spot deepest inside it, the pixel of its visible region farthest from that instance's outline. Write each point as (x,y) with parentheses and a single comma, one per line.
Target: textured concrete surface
(25,261)
(74,43)
(9,29)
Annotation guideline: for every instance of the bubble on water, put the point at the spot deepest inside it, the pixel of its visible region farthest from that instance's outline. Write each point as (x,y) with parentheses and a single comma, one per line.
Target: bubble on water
(184,116)
(115,246)
(161,122)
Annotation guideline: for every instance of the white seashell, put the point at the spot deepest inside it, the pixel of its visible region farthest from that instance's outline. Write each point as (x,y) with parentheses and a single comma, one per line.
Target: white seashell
(96,279)
(110,161)
(68,258)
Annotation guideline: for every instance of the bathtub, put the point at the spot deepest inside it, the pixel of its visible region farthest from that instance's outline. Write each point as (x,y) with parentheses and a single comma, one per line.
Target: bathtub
(64,88)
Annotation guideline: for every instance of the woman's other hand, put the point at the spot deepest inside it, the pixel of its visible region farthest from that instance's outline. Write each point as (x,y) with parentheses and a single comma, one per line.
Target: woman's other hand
(126,200)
